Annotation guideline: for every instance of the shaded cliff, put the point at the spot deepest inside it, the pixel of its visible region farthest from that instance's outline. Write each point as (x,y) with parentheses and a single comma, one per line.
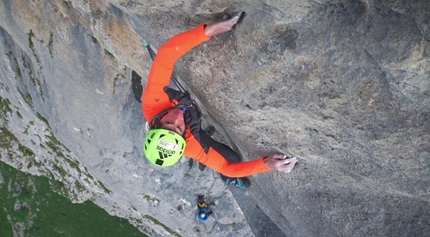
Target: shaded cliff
(344,86)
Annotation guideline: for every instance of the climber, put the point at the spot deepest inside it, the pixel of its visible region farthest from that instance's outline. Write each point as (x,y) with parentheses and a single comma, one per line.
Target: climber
(174,121)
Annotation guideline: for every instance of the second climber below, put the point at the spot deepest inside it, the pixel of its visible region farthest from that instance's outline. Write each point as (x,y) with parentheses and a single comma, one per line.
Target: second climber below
(175,124)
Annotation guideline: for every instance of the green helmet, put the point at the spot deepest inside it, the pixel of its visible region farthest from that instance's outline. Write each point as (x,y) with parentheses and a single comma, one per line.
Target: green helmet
(163,147)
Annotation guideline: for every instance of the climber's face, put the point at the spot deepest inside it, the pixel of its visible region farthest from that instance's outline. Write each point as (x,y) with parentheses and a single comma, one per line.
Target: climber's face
(174,121)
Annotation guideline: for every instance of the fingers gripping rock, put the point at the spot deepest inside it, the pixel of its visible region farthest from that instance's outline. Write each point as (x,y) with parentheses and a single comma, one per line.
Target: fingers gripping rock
(280,162)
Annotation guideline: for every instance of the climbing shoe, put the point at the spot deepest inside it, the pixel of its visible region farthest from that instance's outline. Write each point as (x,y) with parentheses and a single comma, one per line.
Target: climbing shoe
(210,130)
(241,183)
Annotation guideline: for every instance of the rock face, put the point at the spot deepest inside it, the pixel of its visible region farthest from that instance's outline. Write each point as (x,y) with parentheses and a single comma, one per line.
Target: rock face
(342,85)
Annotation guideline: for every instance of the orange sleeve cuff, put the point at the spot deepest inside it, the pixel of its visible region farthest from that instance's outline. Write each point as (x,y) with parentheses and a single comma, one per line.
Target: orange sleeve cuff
(261,166)
(243,169)
(217,162)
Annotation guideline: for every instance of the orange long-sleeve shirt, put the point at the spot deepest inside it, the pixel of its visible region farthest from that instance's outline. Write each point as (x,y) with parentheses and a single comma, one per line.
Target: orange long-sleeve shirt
(157,96)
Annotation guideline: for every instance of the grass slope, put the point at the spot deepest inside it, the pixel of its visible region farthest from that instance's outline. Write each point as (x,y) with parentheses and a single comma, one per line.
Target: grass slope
(28,205)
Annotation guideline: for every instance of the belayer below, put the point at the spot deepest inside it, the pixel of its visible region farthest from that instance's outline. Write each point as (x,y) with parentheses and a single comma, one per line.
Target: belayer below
(174,121)
(204,210)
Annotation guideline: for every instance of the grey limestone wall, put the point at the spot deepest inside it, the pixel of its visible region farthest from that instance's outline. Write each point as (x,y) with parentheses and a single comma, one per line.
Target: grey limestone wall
(342,85)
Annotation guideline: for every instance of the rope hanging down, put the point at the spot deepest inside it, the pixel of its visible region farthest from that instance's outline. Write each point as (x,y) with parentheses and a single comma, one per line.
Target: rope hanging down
(152,54)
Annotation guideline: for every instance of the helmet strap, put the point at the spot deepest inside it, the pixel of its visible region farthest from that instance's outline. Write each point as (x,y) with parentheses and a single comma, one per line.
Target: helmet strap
(153,122)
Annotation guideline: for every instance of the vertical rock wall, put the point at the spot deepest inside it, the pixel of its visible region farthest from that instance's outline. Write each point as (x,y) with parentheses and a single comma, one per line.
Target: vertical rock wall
(342,85)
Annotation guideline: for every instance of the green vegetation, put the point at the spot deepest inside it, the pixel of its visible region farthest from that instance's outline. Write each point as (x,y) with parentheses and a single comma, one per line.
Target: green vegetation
(31,46)
(30,201)
(51,40)
(58,187)
(26,65)
(156,222)
(43,119)
(79,186)
(26,130)
(28,153)
(25,151)
(109,53)
(30,35)
(18,74)
(149,198)
(19,115)
(101,185)
(33,80)
(94,40)
(7,138)
(3,87)
(27,98)
(50,43)
(4,107)
(73,164)
(60,170)
(57,147)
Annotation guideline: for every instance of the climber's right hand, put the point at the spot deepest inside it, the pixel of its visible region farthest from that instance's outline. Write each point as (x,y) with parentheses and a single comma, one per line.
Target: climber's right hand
(223,26)
(280,162)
